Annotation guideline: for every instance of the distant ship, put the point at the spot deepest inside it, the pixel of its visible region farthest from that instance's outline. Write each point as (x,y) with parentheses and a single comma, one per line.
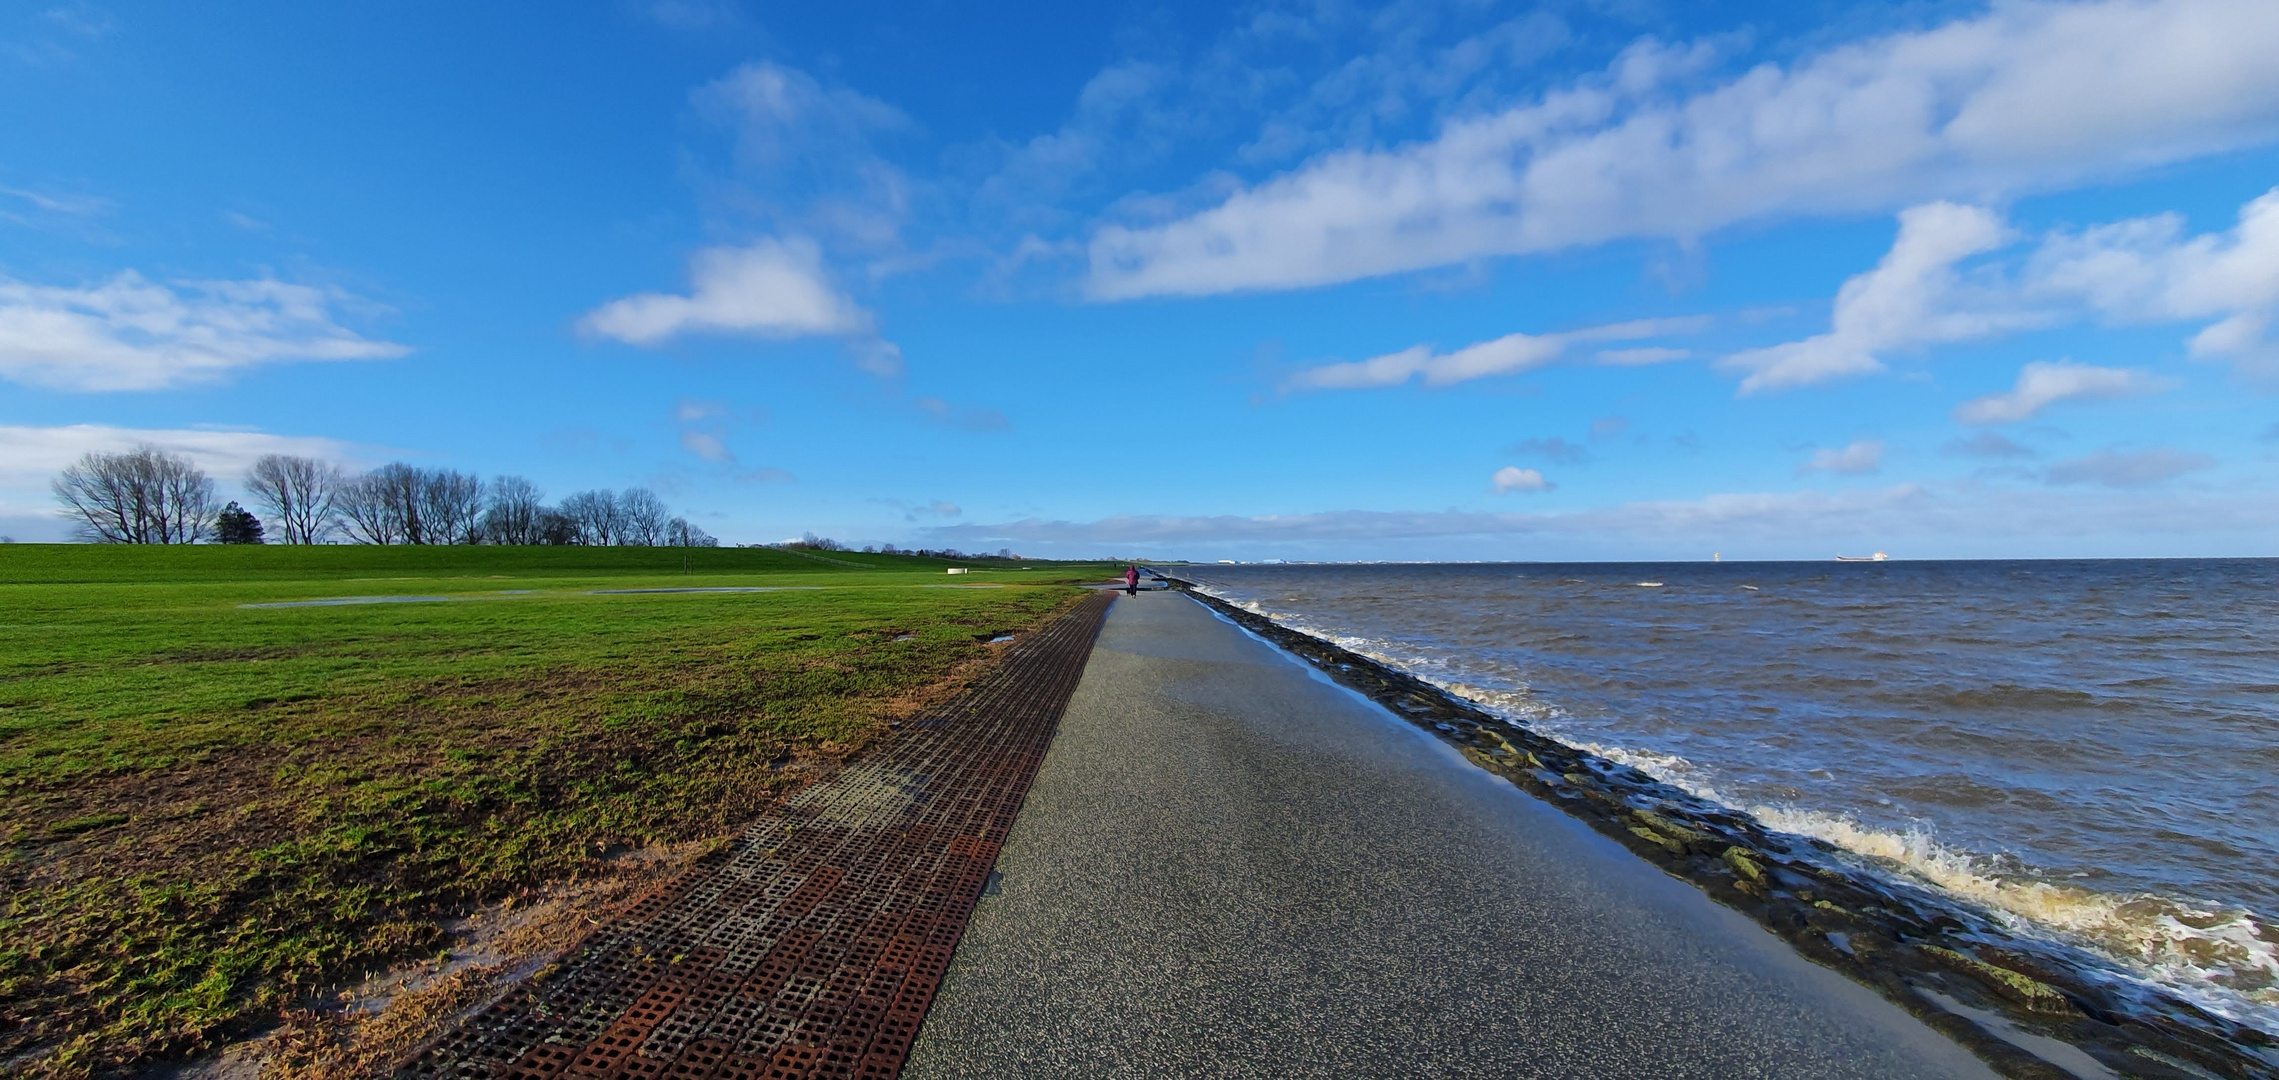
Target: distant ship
(1877,557)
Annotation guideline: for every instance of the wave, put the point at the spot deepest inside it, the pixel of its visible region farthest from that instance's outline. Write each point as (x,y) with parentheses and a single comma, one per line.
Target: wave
(2222,958)
(1994,696)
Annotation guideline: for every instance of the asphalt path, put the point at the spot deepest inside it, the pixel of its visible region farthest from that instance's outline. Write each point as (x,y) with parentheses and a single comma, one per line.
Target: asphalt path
(1231,867)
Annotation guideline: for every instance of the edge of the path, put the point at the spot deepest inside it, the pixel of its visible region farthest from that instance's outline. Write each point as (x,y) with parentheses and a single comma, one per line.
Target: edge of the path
(1957,968)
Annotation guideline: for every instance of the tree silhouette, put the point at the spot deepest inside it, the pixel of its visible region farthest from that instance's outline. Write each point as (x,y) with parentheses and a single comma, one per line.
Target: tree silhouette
(237,525)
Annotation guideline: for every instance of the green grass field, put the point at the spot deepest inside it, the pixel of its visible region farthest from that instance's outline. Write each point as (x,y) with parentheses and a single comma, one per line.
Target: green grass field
(209,811)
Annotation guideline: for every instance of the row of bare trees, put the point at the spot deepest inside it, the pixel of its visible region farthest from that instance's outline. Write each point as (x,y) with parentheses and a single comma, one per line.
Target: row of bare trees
(142,496)
(148,496)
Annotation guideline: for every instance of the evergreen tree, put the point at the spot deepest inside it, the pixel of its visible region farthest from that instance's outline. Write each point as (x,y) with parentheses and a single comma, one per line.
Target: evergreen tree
(237,525)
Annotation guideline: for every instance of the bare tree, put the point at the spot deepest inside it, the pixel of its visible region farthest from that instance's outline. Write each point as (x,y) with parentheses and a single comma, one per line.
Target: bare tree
(513,513)
(679,533)
(141,496)
(641,517)
(298,494)
(596,514)
(451,507)
(364,512)
(402,491)
(384,506)
(556,528)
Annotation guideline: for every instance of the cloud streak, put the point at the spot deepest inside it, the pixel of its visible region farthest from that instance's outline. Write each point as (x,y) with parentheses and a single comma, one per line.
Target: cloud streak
(1507,355)
(2028,96)
(130,333)
(2042,385)
(1913,297)
(1858,458)
(942,412)
(2128,468)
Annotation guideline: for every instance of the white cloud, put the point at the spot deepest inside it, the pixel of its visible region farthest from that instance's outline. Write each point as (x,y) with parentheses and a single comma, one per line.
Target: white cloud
(2148,270)
(804,158)
(704,426)
(83,19)
(942,412)
(876,355)
(1987,444)
(706,445)
(1512,478)
(53,202)
(1859,457)
(130,333)
(1913,297)
(2135,271)
(30,457)
(2128,468)
(1507,355)
(1551,449)
(2042,385)
(691,410)
(1652,354)
(771,289)
(1280,81)
(2027,96)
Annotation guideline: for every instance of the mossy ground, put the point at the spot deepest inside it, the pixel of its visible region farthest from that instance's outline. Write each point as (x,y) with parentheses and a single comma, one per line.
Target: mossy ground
(208,812)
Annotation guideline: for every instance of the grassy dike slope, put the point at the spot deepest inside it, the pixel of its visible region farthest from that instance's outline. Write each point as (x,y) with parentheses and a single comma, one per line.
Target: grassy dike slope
(208,811)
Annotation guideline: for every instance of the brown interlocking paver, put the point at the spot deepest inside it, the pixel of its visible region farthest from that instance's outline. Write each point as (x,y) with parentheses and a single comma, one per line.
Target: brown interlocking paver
(811,946)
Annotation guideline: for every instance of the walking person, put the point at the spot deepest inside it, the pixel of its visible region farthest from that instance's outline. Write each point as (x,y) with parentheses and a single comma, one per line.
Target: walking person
(1131,581)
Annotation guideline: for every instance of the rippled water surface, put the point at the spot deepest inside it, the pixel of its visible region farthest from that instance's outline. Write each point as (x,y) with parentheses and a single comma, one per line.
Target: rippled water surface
(2090,746)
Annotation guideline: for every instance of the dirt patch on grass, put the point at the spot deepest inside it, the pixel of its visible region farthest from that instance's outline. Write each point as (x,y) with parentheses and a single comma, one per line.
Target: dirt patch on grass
(142,824)
(364,1029)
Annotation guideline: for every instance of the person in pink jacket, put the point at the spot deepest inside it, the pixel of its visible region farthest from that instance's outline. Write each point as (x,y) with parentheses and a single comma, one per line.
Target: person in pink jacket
(1131,581)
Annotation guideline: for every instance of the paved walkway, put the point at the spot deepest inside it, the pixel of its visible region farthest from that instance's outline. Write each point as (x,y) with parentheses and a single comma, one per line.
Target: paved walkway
(1229,867)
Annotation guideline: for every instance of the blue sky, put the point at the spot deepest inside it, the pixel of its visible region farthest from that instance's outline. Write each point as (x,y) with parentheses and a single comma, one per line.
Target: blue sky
(1308,280)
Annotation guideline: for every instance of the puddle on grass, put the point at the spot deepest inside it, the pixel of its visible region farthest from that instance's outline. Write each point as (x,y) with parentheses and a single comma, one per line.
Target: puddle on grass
(708,588)
(343,601)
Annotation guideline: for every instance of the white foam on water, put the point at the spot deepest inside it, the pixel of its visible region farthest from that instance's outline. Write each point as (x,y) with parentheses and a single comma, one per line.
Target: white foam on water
(2223,959)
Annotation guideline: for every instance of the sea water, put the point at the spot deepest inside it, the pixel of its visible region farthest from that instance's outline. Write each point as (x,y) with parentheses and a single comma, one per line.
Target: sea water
(2089,749)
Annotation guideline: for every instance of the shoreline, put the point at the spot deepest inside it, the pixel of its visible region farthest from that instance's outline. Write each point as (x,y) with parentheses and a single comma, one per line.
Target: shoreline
(1941,959)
